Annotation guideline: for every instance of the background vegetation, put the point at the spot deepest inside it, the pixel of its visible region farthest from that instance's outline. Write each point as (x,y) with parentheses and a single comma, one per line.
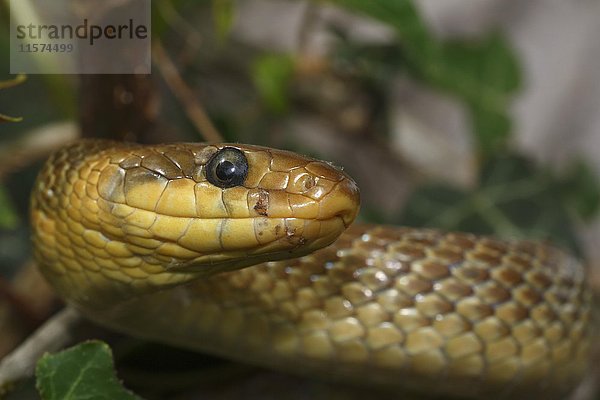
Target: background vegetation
(261,96)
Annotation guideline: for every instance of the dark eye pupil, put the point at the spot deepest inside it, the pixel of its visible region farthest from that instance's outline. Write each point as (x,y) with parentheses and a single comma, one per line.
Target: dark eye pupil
(225,170)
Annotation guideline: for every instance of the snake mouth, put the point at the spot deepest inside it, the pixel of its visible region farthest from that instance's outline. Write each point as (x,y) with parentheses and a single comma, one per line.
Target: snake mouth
(281,238)
(281,230)
(347,217)
(343,202)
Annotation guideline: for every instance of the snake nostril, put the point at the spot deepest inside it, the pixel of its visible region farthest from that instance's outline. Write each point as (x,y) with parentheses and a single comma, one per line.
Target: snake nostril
(308,182)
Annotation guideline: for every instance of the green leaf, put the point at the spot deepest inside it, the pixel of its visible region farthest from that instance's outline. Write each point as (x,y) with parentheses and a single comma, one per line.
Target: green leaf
(8,216)
(224,16)
(272,75)
(82,372)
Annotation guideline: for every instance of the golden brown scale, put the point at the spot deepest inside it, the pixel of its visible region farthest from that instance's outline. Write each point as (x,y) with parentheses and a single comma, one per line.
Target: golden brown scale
(412,309)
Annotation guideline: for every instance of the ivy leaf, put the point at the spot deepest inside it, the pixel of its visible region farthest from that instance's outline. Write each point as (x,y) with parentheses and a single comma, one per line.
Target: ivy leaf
(82,372)
(272,75)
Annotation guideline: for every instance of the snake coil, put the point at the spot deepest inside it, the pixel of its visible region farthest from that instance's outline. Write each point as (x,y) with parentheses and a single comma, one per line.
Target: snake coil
(154,241)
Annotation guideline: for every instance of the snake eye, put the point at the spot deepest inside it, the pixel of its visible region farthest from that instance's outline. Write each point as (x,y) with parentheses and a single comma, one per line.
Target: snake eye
(227,168)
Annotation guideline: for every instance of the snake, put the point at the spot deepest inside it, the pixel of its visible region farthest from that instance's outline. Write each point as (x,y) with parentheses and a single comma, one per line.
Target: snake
(251,253)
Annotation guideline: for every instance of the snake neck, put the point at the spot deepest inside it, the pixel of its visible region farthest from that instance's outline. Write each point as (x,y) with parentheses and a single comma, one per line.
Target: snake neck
(92,289)
(119,231)
(89,268)
(96,274)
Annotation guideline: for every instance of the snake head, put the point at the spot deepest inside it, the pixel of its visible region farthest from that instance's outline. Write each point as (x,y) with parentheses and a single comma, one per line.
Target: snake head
(229,205)
(159,213)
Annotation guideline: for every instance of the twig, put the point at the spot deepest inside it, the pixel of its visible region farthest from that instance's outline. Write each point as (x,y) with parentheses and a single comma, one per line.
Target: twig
(8,84)
(29,302)
(20,78)
(184,94)
(311,12)
(35,145)
(55,334)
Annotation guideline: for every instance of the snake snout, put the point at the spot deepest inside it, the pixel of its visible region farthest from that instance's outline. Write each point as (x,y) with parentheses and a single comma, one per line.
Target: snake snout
(343,201)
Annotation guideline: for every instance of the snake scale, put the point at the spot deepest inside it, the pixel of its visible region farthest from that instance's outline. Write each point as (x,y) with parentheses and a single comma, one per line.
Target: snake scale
(227,249)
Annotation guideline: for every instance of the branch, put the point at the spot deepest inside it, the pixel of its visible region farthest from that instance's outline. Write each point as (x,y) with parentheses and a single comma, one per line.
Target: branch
(184,94)
(55,334)
(35,145)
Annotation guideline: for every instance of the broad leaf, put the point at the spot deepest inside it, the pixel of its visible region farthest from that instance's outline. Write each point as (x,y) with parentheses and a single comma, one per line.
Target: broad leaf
(83,372)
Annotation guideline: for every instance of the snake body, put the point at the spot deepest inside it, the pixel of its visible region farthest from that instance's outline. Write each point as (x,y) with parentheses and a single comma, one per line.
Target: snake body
(141,239)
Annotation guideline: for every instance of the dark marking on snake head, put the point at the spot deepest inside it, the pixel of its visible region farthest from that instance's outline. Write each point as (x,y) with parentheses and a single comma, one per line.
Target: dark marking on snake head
(293,238)
(262,204)
(290,232)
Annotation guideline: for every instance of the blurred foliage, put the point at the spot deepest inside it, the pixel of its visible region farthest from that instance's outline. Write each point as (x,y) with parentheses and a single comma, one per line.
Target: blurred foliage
(224,16)
(514,198)
(580,189)
(483,74)
(272,75)
(56,89)
(84,371)
(8,216)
